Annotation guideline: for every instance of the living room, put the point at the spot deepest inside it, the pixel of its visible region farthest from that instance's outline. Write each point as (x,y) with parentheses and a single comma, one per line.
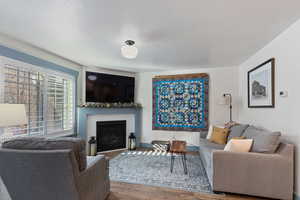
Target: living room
(123,100)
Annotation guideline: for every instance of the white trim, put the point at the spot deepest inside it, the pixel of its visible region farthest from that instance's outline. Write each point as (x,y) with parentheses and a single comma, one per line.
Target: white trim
(33,68)
(1,81)
(45,104)
(100,152)
(91,127)
(61,134)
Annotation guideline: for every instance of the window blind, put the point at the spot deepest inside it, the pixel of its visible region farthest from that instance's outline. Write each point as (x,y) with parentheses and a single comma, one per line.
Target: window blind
(59,104)
(48,97)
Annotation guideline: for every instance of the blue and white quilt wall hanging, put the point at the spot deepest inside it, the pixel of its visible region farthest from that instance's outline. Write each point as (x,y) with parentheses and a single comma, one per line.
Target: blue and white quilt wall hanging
(180,102)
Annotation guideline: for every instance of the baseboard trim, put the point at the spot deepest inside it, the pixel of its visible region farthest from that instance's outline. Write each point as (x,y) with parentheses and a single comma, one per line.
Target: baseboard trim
(145,145)
(189,148)
(192,148)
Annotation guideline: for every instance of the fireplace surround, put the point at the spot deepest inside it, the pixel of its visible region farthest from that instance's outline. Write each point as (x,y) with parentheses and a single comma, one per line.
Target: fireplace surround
(88,118)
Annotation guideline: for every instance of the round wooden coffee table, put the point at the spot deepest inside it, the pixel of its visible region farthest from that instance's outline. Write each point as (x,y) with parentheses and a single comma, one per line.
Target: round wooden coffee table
(178,147)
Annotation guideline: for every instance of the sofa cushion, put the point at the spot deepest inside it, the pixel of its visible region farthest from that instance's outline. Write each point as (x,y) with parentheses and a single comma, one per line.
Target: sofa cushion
(36,143)
(239,138)
(210,145)
(205,149)
(264,141)
(206,158)
(237,130)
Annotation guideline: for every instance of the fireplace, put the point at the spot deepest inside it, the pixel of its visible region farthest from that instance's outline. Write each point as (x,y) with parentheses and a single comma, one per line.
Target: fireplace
(111,135)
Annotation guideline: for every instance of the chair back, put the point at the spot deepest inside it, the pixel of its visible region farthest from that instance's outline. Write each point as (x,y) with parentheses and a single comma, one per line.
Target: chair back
(39,174)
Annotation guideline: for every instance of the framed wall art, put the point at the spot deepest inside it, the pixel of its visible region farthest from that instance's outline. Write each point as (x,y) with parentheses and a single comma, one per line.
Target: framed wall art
(261,85)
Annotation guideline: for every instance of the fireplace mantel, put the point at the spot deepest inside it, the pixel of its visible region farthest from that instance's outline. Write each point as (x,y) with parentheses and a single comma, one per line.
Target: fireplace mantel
(83,114)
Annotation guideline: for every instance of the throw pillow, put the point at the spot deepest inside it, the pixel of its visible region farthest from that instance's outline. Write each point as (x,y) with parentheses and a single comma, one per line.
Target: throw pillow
(219,135)
(264,141)
(237,130)
(210,130)
(237,138)
(230,124)
(238,145)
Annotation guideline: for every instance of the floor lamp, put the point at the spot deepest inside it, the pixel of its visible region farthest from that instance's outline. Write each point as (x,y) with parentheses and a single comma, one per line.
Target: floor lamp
(227,100)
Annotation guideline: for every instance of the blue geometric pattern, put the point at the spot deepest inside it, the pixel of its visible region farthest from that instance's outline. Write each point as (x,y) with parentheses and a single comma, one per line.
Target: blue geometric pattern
(180,104)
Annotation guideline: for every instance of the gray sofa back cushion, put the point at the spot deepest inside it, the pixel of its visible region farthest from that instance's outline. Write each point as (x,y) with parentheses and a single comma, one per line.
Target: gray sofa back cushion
(264,141)
(36,143)
(237,130)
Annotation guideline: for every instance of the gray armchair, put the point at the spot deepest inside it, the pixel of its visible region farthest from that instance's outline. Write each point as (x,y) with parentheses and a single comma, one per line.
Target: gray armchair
(52,175)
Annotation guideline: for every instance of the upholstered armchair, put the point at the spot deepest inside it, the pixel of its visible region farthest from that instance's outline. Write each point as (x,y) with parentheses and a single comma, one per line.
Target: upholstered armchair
(52,170)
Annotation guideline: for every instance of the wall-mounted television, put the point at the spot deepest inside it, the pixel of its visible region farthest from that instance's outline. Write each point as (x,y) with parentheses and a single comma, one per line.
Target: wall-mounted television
(107,88)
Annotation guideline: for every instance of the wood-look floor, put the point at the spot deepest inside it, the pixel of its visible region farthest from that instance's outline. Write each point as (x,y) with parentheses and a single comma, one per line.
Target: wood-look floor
(126,191)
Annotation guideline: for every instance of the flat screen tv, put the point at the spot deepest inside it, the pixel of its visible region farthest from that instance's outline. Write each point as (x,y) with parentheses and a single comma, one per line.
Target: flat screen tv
(107,88)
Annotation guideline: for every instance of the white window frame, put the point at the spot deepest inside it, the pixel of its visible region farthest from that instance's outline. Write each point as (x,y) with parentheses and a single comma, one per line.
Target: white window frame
(33,68)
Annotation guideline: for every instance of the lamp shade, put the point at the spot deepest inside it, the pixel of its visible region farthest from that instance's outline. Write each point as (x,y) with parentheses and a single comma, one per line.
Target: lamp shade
(12,115)
(224,100)
(129,51)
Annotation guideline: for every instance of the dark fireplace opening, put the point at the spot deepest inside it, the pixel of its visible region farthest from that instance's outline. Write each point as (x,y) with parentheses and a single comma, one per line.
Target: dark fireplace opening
(111,135)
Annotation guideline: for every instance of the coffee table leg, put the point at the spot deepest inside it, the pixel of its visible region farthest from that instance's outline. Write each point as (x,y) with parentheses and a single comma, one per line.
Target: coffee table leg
(183,157)
(172,162)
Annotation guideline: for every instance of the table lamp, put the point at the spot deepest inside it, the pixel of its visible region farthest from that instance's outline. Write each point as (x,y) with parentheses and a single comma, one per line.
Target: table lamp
(12,115)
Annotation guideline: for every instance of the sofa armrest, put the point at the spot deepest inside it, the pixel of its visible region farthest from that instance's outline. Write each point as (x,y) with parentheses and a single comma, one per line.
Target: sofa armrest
(259,174)
(94,181)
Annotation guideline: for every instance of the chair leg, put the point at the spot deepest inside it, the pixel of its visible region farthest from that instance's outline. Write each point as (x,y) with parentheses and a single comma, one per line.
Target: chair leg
(172,162)
(181,156)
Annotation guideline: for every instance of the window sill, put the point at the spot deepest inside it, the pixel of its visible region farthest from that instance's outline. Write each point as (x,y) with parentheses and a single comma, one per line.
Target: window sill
(65,134)
(56,135)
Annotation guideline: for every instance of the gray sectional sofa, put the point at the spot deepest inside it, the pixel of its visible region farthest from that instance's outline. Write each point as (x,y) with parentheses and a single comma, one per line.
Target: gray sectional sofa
(266,171)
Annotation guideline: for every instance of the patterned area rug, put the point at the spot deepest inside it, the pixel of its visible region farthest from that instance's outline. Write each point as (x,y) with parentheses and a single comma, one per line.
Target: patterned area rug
(153,168)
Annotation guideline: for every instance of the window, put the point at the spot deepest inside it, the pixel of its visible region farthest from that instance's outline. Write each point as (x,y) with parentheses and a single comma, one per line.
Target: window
(48,97)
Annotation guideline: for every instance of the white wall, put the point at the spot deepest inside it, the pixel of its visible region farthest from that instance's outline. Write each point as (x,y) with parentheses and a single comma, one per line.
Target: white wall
(42,54)
(285,116)
(222,80)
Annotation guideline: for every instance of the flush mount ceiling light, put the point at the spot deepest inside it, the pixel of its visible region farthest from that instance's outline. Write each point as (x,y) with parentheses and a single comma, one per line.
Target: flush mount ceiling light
(129,50)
